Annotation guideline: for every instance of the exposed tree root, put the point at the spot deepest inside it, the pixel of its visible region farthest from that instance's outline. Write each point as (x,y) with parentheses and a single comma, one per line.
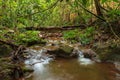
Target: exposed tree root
(13,46)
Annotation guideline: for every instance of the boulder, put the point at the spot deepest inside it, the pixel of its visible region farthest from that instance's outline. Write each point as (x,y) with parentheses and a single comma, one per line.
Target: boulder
(89,53)
(109,53)
(64,51)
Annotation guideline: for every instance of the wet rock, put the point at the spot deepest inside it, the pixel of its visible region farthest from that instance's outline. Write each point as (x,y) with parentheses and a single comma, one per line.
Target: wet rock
(27,72)
(67,49)
(117,65)
(109,53)
(64,51)
(89,53)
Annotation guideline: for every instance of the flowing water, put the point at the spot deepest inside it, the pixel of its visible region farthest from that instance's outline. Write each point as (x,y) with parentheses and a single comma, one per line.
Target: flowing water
(46,68)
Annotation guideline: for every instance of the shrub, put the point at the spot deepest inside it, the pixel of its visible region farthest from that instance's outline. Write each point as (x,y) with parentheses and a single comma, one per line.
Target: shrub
(71,35)
(28,37)
(84,36)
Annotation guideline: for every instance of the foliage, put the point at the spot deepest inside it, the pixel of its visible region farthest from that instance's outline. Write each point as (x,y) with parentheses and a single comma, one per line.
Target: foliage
(6,34)
(109,53)
(15,14)
(71,35)
(87,35)
(84,36)
(24,38)
(103,1)
(28,37)
(48,12)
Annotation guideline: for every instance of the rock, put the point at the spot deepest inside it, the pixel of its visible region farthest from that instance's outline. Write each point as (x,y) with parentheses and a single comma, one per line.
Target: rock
(117,65)
(109,53)
(89,53)
(64,51)
(67,49)
(29,70)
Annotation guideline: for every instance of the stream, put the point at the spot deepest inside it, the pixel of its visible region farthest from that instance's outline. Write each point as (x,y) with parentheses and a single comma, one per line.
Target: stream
(48,68)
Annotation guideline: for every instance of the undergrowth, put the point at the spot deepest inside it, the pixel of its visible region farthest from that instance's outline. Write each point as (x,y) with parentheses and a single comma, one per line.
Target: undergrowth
(83,36)
(21,38)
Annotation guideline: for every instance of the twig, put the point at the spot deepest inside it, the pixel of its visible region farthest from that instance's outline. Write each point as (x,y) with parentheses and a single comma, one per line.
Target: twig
(91,12)
(104,8)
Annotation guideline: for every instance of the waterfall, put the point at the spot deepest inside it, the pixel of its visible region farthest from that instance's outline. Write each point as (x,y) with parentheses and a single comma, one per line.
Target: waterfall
(80,54)
(39,57)
(83,60)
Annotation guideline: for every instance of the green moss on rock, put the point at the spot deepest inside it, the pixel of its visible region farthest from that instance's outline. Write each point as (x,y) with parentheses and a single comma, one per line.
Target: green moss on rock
(110,53)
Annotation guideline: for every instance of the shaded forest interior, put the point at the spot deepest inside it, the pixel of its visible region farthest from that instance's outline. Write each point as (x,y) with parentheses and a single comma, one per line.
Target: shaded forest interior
(94,24)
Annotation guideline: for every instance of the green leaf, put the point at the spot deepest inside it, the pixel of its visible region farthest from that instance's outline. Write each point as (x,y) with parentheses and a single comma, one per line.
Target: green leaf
(84,2)
(115,0)
(48,1)
(103,1)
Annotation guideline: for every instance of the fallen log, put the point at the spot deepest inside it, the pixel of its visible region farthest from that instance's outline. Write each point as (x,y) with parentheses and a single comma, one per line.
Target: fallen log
(56,28)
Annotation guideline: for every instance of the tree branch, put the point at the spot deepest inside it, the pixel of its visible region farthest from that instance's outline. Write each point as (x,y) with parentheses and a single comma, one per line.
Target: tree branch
(91,12)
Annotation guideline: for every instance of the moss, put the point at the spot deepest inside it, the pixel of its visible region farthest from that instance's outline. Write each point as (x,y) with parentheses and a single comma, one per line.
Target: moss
(66,49)
(29,38)
(27,69)
(84,36)
(110,53)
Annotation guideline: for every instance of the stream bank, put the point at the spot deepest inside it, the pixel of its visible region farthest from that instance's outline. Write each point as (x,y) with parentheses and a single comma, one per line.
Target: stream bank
(60,67)
(60,59)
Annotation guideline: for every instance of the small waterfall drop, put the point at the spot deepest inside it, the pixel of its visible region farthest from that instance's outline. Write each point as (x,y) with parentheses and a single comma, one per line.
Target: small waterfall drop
(83,60)
(38,60)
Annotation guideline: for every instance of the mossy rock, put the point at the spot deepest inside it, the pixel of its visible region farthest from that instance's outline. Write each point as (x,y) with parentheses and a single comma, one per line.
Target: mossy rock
(109,53)
(64,51)
(40,42)
(29,70)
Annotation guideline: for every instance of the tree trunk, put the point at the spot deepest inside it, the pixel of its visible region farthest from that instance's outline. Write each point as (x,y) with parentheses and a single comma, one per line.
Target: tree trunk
(98,9)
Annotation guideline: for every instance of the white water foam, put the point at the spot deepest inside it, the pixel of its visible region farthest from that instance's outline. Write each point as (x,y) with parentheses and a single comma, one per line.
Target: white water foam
(84,61)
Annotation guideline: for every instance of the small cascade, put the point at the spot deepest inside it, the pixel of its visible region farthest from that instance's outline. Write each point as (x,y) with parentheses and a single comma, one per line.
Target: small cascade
(62,69)
(37,57)
(80,54)
(83,60)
